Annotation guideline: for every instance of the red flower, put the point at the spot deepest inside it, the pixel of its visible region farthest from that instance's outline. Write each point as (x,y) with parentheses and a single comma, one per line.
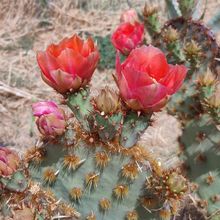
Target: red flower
(128,36)
(146,80)
(69,64)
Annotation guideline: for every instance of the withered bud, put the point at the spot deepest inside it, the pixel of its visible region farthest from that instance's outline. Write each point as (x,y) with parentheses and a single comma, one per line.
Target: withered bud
(107,101)
(192,49)
(149,10)
(170,35)
(207,79)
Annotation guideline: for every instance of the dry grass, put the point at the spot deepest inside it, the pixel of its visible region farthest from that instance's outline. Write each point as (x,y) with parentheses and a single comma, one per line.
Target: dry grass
(29,25)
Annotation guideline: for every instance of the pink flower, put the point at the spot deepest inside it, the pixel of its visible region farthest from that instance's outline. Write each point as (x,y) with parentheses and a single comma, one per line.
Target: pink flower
(50,118)
(69,64)
(9,162)
(146,80)
(128,36)
(129,16)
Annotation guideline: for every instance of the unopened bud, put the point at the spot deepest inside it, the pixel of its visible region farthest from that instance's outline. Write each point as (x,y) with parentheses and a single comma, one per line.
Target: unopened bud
(177,183)
(149,10)
(170,35)
(214,101)
(51,120)
(192,49)
(107,101)
(187,7)
(9,161)
(207,79)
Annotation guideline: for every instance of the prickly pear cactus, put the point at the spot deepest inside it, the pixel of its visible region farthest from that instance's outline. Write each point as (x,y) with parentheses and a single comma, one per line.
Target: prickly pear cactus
(88,164)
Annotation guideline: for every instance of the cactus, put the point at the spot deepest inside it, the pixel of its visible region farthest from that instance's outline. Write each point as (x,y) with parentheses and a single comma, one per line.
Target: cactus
(89,164)
(200,140)
(101,182)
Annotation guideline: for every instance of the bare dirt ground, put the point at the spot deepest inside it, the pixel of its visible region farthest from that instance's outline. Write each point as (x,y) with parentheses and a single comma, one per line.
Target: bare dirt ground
(29,25)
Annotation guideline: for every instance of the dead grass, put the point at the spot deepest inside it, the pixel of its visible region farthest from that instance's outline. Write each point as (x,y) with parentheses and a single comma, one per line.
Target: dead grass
(29,25)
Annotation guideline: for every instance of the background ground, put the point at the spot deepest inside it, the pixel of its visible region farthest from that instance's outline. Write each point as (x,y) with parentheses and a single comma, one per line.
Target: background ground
(30,25)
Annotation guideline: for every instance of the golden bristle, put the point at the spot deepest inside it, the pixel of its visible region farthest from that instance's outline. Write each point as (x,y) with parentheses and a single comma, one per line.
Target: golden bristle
(76,193)
(175,206)
(132,215)
(120,191)
(71,162)
(149,202)
(35,155)
(130,171)
(105,204)
(209,179)
(49,176)
(101,159)
(91,217)
(68,210)
(92,180)
(165,214)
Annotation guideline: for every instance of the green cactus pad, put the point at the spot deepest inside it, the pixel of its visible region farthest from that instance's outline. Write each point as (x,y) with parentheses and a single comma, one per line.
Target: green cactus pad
(17,182)
(133,126)
(97,183)
(79,103)
(106,126)
(202,155)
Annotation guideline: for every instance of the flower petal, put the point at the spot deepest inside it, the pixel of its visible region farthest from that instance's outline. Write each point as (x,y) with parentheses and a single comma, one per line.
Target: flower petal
(174,78)
(41,108)
(150,95)
(47,63)
(148,59)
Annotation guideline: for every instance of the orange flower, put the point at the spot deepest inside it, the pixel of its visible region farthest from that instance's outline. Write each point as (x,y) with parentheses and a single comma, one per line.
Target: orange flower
(69,64)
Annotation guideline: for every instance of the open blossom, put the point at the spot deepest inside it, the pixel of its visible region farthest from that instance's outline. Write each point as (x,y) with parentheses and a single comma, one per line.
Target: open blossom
(129,16)
(69,64)
(9,162)
(128,36)
(146,80)
(50,118)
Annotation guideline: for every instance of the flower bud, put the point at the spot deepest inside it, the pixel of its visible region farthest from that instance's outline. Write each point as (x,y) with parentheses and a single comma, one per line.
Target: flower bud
(207,79)
(192,50)
(177,183)
(128,36)
(50,118)
(149,10)
(9,161)
(107,101)
(187,7)
(214,101)
(170,35)
(129,16)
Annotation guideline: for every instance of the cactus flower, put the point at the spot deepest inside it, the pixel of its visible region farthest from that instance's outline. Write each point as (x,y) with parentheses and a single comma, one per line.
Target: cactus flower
(146,80)
(128,36)
(129,16)
(50,118)
(69,64)
(9,162)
